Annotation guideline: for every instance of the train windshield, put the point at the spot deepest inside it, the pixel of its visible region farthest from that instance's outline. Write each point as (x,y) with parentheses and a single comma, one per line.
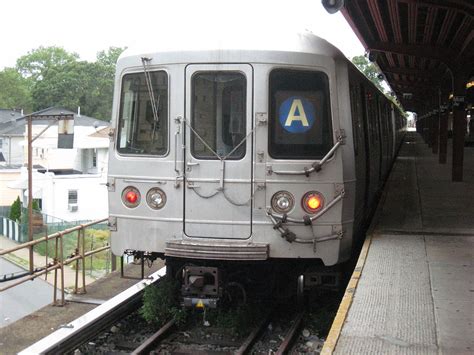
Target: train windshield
(218,115)
(139,130)
(300,122)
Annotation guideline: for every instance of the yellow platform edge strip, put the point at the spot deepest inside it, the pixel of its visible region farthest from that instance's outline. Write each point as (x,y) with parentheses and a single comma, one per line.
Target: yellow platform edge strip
(346,302)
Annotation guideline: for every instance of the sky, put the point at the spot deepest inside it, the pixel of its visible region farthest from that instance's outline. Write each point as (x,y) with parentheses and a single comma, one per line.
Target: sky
(89,26)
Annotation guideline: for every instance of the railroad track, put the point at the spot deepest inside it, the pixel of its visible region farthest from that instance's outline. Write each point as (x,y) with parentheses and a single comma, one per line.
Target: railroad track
(73,334)
(258,333)
(275,330)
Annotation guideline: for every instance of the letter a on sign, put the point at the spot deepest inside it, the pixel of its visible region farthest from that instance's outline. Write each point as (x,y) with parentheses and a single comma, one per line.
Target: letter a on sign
(296,114)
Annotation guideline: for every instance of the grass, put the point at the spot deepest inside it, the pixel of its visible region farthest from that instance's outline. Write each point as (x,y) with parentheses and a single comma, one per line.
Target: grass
(94,239)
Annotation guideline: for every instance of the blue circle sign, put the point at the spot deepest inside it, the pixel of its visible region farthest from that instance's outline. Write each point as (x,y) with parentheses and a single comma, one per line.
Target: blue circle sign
(296,114)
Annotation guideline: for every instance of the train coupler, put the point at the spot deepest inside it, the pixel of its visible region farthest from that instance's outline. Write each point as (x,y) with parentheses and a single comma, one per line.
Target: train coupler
(200,288)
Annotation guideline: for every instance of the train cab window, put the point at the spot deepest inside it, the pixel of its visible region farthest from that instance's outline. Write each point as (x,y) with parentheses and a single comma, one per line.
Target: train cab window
(218,115)
(300,121)
(140,130)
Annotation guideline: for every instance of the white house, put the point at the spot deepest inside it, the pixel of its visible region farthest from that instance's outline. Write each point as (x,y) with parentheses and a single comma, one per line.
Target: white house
(69,183)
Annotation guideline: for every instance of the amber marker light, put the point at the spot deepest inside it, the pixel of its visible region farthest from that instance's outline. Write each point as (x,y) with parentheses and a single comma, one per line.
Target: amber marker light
(131,197)
(312,202)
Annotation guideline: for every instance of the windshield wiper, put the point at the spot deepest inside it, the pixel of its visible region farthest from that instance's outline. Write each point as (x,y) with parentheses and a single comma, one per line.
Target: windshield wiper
(151,95)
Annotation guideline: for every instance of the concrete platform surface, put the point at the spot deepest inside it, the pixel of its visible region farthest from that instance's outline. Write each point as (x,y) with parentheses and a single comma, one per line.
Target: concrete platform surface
(415,292)
(28,330)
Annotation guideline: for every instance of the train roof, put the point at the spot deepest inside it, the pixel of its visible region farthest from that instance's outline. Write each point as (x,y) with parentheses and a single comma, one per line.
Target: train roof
(219,46)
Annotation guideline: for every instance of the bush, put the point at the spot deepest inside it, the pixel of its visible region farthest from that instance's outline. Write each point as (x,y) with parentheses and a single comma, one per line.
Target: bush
(160,303)
(36,205)
(15,211)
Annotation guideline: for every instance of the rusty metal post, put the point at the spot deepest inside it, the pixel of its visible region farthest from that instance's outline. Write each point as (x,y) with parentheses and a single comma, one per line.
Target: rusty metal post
(62,267)
(443,128)
(76,280)
(435,131)
(114,261)
(83,254)
(47,251)
(30,190)
(55,298)
(459,126)
(430,130)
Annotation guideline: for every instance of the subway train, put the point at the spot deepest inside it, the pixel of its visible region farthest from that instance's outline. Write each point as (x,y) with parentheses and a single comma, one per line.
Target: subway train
(245,158)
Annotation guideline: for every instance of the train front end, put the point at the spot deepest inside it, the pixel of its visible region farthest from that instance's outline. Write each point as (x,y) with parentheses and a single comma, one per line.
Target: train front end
(232,157)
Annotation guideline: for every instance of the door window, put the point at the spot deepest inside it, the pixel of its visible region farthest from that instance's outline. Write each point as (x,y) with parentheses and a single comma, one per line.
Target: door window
(218,115)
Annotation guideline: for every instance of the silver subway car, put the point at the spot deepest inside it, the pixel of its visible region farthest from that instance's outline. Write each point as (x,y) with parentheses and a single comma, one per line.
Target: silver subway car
(248,150)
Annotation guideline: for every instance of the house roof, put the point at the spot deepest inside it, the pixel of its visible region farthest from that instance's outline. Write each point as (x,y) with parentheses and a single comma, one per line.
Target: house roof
(17,126)
(7,115)
(79,120)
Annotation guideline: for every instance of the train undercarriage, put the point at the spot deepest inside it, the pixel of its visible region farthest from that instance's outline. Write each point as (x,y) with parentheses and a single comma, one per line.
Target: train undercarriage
(212,283)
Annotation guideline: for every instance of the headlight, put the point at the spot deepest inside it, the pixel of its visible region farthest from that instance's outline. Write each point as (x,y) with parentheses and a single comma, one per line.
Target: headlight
(156,198)
(312,202)
(131,197)
(283,202)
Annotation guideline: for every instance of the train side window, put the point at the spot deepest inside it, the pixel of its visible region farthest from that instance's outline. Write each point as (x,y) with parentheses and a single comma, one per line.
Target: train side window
(356,115)
(300,119)
(139,130)
(218,114)
(372,116)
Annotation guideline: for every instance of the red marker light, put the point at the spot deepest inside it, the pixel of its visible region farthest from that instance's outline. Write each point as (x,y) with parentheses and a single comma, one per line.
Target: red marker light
(131,197)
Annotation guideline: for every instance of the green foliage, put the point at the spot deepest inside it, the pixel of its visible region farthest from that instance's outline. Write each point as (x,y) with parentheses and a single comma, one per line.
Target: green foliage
(51,76)
(160,303)
(369,70)
(94,238)
(15,210)
(76,84)
(15,92)
(109,58)
(236,320)
(36,205)
(36,64)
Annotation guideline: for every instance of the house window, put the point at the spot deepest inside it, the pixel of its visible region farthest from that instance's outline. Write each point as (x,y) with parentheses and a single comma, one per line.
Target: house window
(72,197)
(94,158)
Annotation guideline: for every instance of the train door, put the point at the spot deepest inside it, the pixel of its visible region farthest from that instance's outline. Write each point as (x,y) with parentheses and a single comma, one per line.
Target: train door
(218,151)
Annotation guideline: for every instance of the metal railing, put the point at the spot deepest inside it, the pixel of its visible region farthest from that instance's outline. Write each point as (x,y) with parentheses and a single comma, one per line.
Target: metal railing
(58,261)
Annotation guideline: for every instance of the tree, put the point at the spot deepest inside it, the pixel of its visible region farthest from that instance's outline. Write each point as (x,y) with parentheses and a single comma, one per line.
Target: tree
(84,84)
(37,62)
(56,77)
(109,58)
(15,210)
(369,70)
(14,92)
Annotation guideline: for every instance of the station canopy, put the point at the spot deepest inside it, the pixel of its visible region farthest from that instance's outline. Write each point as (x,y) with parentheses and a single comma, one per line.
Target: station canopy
(419,45)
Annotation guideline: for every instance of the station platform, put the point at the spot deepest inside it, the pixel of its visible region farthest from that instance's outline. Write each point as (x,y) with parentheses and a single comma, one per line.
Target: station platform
(35,326)
(412,291)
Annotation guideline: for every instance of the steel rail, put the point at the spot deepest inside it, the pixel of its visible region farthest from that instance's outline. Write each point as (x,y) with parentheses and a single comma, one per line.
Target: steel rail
(154,339)
(71,335)
(253,336)
(290,336)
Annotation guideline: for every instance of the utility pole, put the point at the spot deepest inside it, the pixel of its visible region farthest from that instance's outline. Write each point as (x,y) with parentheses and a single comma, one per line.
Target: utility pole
(63,131)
